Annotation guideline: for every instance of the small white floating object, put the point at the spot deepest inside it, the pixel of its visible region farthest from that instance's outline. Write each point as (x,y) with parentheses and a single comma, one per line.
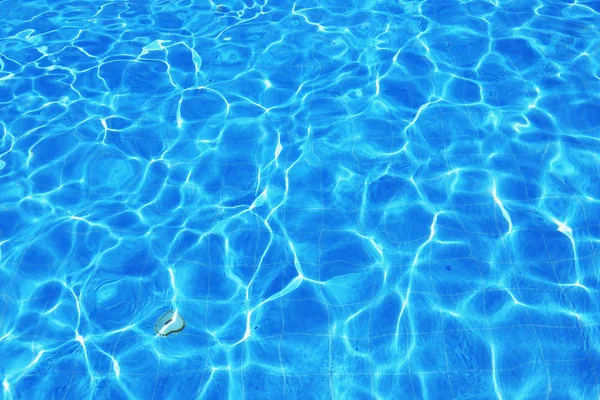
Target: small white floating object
(169,322)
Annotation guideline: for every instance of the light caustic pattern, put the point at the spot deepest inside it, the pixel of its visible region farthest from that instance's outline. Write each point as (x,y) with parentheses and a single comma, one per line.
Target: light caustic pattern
(343,199)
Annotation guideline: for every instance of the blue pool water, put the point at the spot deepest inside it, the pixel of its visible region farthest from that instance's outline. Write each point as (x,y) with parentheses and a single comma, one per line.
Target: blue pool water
(340,199)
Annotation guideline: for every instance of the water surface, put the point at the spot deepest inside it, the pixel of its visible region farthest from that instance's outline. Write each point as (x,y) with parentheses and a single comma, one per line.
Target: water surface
(343,199)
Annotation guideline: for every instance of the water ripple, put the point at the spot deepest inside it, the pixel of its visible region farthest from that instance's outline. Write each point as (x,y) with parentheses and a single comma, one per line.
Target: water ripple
(342,199)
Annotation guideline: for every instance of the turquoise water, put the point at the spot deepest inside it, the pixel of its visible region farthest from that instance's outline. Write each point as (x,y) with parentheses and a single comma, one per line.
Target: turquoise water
(316,199)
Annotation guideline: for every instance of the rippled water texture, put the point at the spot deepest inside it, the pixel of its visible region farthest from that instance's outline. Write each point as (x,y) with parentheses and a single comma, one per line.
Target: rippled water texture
(340,199)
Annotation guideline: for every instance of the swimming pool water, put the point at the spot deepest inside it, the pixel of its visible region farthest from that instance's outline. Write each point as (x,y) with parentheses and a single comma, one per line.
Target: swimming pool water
(342,199)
